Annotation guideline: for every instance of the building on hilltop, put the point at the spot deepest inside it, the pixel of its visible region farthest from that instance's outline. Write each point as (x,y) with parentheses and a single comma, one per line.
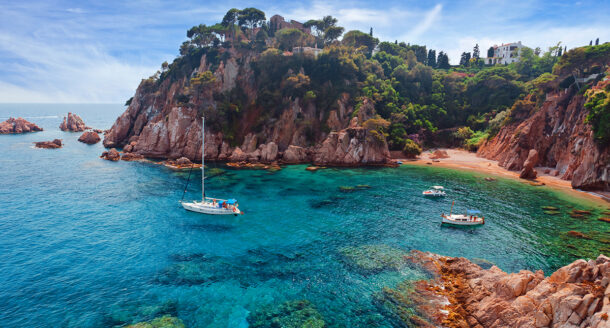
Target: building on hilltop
(277,22)
(505,54)
(307,50)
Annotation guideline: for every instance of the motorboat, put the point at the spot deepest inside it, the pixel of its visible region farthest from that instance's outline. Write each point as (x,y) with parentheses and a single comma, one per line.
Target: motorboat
(435,191)
(469,218)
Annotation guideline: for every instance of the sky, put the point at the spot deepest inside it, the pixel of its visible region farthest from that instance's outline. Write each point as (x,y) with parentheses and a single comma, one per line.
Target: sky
(62,51)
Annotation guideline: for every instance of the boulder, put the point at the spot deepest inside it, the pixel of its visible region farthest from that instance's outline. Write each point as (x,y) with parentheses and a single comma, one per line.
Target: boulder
(56,143)
(352,147)
(438,154)
(89,137)
(268,152)
(18,125)
(295,154)
(73,123)
(238,155)
(528,171)
(183,161)
(111,155)
(131,157)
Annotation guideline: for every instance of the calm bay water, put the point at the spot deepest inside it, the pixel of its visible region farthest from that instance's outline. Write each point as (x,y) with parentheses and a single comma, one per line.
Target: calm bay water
(90,243)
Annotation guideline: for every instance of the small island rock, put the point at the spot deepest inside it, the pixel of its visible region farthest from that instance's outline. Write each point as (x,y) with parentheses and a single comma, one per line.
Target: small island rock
(89,137)
(73,123)
(18,125)
(49,144)
(111,155)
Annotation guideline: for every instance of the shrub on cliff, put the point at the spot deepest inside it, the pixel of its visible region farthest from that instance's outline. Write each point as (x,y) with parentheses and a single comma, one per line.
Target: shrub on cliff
(598,105)
(411,149)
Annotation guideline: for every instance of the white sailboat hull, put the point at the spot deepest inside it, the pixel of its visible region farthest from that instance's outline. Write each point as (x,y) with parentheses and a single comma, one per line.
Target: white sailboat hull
(462,220)
(209,208)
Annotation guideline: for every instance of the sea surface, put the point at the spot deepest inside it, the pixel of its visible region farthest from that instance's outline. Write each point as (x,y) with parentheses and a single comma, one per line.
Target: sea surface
(86,242)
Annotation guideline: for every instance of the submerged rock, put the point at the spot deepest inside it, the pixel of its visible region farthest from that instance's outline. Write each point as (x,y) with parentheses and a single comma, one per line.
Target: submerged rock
(373,258)
(132,157)
(165,321)
(18,125)
(577,234)
(72,123)
(89,137)
(292,314)
(56,143)
(604,219)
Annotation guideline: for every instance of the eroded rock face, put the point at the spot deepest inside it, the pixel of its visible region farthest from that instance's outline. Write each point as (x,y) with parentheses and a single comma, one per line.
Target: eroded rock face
(295,154)
(352,146)
(562,138)
(72,123)
(56,143)
(18,125)
(89,137)
(574,296)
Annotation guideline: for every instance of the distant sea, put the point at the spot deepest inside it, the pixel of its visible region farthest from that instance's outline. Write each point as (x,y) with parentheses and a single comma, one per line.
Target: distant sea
(91,243)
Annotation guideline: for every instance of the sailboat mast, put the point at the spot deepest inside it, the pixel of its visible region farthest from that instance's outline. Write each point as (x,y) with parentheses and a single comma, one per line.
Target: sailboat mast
(202,159)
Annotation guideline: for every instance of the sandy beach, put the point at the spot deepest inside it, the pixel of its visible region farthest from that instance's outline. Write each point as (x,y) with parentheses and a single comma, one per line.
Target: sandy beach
(465,160)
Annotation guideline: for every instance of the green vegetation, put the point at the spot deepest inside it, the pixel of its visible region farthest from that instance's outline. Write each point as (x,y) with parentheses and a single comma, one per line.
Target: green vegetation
(598,104)
(412,89)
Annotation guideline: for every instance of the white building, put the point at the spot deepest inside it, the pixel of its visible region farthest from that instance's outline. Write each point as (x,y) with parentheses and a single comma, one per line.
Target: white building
(307,50)
(505,54)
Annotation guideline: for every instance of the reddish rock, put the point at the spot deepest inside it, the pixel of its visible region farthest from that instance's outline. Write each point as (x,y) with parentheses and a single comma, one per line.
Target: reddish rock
(564,141)
(111,155)
(73,123)
(295,154)
(352,146)
(18,125)
(56,143)
(89,137)
(183,161)
(438,154)
(98,131)
(573,296)
(238,155)
(528,171)
(131,157)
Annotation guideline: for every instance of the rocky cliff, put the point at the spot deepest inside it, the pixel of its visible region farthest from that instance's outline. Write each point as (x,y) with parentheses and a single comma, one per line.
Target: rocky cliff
(558,131)
(462,294)
(163,119)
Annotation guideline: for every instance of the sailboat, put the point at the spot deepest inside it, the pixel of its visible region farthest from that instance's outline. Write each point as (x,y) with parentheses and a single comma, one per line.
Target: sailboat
(469,218)
(210,205)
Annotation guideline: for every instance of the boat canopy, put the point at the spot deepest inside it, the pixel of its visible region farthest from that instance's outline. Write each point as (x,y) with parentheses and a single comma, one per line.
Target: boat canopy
(473,211)
(231,201)
(438,187)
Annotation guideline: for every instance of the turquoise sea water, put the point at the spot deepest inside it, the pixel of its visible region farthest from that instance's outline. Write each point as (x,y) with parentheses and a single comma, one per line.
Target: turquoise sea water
(90,243)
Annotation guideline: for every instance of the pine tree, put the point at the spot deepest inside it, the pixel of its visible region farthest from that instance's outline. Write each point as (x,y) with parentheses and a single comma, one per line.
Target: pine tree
(597,42)
(465,59)
(565,49)
(371,32)
(476,52)
(443,61)
(490,52)
(559,52)
(431,58)
(591,42)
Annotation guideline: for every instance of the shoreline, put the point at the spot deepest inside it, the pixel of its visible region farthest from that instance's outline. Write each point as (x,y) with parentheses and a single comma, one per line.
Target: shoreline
(466,161)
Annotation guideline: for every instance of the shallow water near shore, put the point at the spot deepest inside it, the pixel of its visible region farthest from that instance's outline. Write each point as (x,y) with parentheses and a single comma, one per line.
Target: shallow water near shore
(91,243)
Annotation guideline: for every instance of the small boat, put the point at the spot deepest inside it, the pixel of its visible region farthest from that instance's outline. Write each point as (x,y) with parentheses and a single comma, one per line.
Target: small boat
(469,218)
(209,205)
(435,191)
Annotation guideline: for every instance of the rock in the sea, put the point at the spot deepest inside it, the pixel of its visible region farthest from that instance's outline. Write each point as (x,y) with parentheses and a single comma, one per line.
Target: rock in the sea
(56,143)
(73,123)
(238,155)
(353,146)
(111,155)
(18,125)
(89,137)
(528,171)
(268,152)
(165,321)
(373,258)
(183,161)
(574,296)
(295,154)
(131,157)
(293,314)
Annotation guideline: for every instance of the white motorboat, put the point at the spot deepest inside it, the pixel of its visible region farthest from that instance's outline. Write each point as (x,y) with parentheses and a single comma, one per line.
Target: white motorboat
(209,205)
(435,191)
(469,218)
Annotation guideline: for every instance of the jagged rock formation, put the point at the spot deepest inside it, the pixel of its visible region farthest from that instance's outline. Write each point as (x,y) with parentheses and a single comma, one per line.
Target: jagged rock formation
(560,135)
(528,171)
(111,155)
(89,137)
(56,143)
(577,295)
(73,123)
(18,125)
(158,125)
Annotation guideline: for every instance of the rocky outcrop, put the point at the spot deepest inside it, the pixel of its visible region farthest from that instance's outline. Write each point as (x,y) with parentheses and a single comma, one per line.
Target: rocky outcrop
(559,133)
(18,125)
(89,137)
(577,295)
(111,155)
(528,171)
(130,157)
(352,146)
(295,154)
(439,154)
(56,143)
(73,123)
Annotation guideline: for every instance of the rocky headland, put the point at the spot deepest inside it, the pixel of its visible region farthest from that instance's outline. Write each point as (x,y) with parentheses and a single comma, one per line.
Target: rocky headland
(73,123)
(56,143)
(462,294)
(18,125)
